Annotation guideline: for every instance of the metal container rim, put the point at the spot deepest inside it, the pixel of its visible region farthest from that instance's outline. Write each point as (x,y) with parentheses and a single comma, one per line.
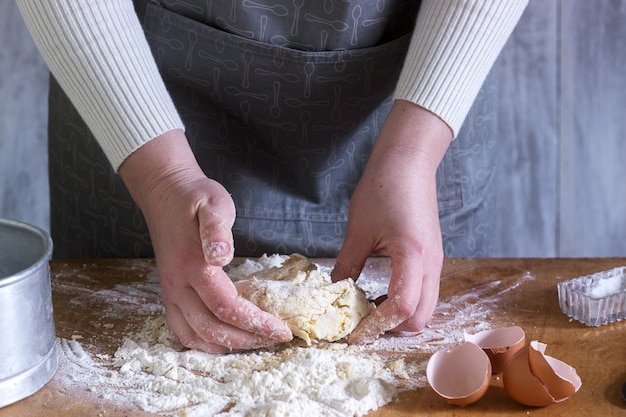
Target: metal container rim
(41,260)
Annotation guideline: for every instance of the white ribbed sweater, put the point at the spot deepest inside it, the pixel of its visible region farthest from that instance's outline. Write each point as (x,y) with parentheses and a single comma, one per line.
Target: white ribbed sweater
(99,55)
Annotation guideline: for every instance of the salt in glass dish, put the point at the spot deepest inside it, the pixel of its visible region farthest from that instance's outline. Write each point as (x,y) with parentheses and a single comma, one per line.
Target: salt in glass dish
(595,299)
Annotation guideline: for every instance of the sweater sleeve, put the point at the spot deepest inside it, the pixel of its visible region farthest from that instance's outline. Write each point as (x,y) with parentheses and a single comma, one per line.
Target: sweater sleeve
(454,45)
(98,53)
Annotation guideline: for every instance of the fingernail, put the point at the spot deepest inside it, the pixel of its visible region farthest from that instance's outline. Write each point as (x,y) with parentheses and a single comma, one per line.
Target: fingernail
(362,340)
(217,253)
(364,336)
(284,335)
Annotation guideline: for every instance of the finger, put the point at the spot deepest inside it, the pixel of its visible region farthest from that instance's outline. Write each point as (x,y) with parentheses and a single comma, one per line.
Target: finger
(426,307)
(351,258)
(219,294)
(185,335)
(401,303)
(215,224)
(201,330)
(215,330)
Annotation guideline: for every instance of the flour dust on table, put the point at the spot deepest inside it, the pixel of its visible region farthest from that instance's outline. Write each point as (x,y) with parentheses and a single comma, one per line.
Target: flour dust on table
(154,373)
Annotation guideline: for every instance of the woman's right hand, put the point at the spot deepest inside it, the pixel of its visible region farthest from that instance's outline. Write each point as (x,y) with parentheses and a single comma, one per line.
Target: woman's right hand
(190,218)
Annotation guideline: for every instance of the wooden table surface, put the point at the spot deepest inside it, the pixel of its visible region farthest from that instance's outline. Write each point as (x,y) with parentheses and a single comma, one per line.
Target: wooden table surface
(597,353)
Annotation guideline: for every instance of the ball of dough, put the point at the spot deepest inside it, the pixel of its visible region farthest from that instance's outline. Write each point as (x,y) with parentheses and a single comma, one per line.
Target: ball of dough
(305,297)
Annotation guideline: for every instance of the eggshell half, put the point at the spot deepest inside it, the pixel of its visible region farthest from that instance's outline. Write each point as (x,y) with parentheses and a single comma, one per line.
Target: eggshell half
(533,379)
(522,385)
(460,376)
(499,344)
(561,379)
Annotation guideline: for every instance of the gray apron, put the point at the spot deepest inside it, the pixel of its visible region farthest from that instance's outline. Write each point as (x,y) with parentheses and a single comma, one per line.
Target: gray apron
(282,104)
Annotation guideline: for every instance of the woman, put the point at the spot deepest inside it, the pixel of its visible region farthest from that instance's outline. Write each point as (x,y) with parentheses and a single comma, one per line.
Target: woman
(243,127)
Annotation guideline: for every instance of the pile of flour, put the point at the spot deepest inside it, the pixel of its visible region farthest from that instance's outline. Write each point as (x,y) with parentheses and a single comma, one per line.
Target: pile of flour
(155,374)
(327,380)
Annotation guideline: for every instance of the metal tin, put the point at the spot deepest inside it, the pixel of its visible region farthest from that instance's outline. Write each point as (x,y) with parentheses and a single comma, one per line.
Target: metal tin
(28,357)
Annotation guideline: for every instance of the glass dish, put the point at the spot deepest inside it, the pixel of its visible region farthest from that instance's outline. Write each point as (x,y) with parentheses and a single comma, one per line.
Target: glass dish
(595,299)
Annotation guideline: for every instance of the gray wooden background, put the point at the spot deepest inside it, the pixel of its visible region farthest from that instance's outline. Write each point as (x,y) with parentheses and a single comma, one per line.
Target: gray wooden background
(562,121)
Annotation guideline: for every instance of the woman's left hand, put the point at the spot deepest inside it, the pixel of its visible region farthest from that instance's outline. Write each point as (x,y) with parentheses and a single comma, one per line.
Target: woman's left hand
(393,212)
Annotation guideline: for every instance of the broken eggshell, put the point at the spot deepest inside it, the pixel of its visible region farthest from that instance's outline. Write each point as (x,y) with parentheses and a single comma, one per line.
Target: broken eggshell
(534,379)
(460,376)
(499,344)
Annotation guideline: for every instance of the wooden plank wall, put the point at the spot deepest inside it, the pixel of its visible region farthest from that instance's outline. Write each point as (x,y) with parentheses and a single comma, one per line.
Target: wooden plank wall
(23,113)
(593,128)
(527,187)
(562,125)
